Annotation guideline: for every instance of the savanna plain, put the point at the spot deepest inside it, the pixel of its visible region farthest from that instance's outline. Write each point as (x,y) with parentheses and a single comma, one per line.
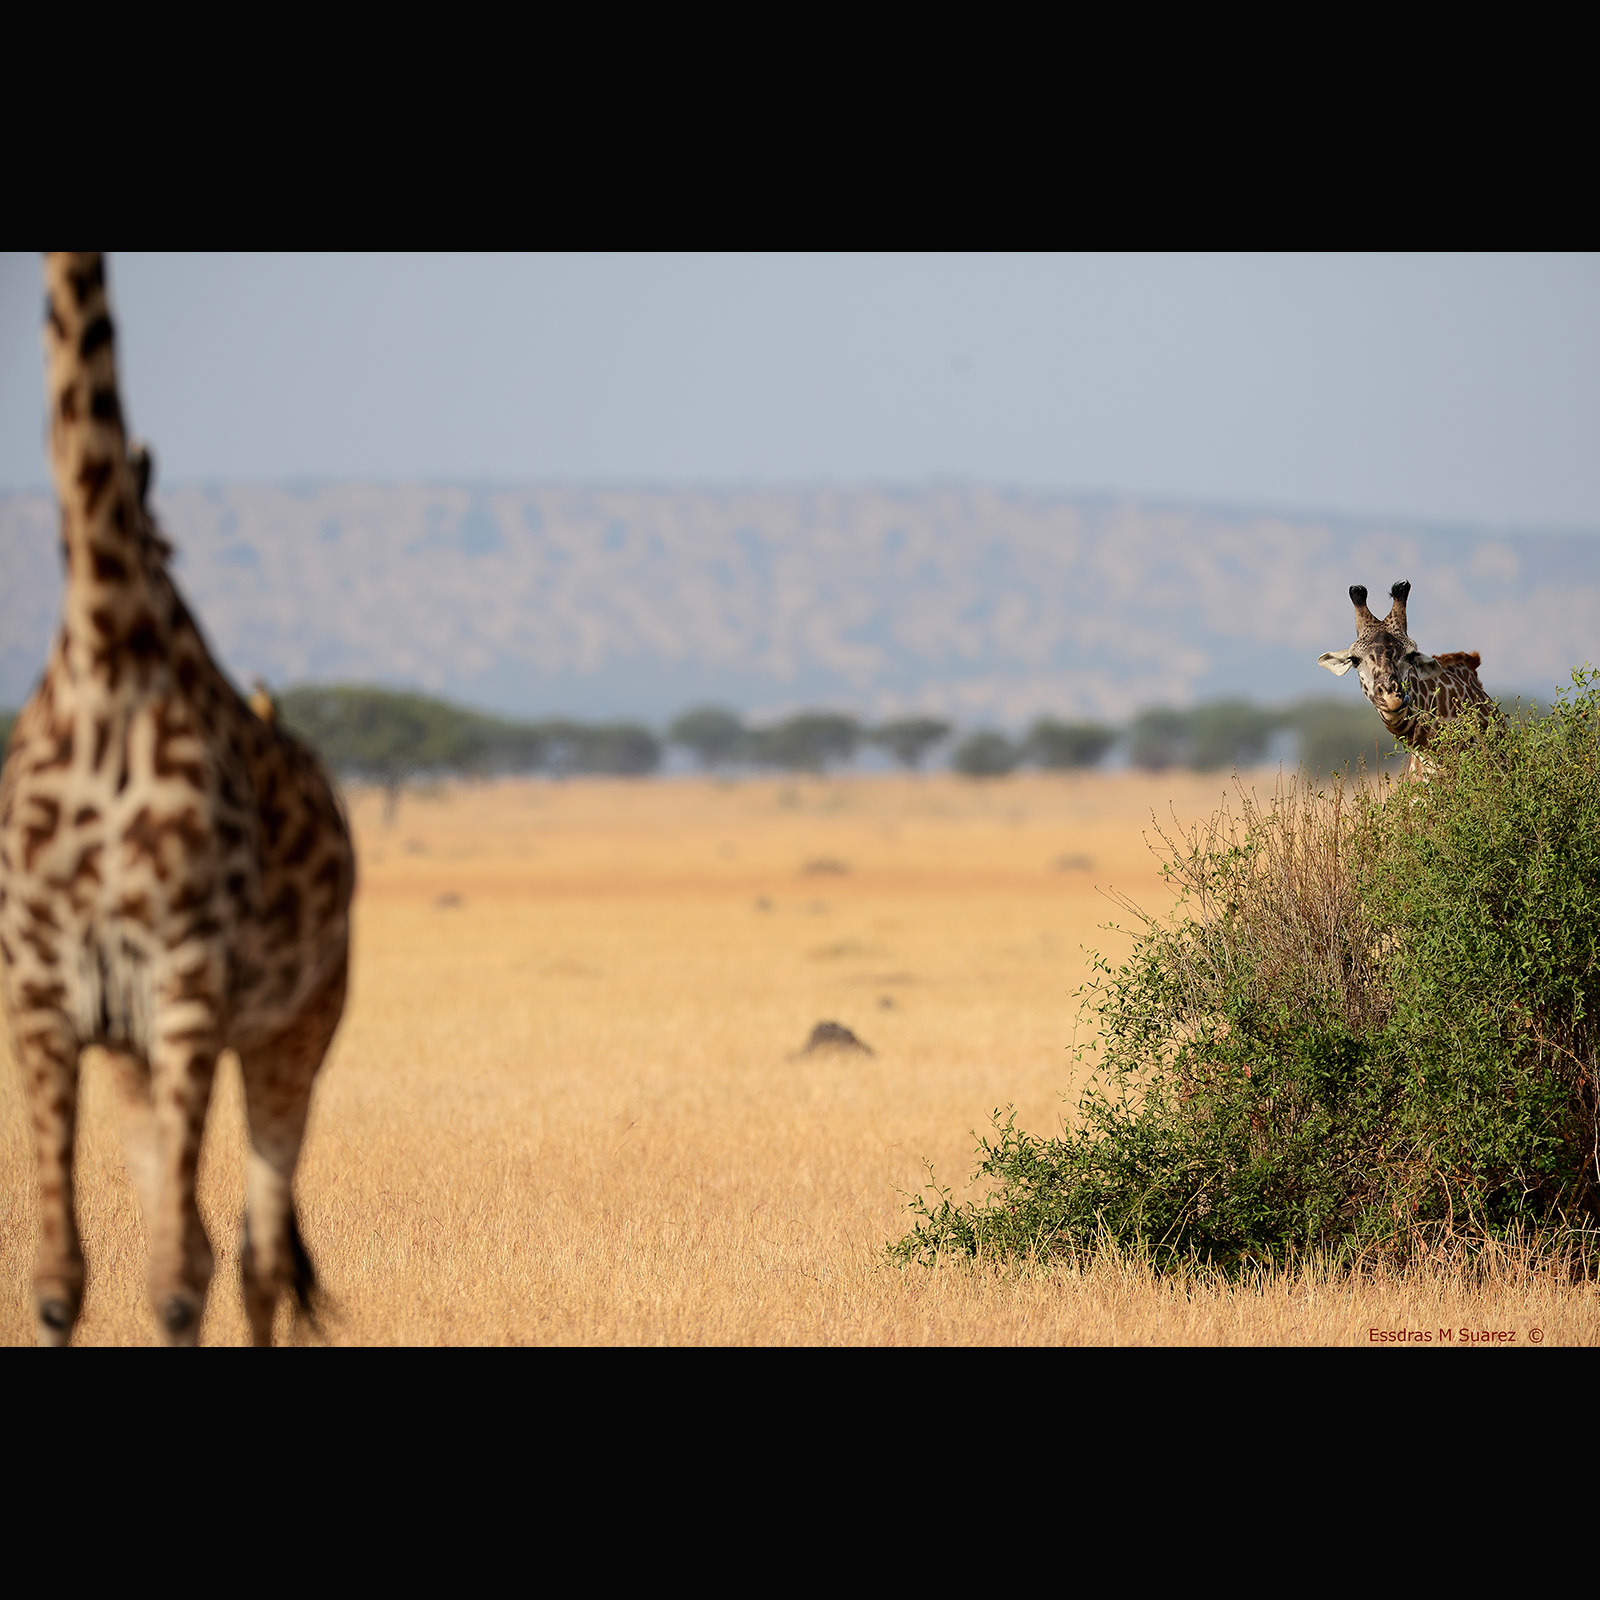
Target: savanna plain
(569,1102)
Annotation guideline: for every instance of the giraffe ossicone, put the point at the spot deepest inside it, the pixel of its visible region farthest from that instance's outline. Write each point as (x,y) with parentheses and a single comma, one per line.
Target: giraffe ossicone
(1412,691)
(176,873)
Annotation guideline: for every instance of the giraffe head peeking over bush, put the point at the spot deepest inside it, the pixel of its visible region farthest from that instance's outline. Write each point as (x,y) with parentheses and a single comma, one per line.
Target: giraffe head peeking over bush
(1411,691)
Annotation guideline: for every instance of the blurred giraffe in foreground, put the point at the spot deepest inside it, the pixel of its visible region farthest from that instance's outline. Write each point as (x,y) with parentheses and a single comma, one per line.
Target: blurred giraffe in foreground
(175,875)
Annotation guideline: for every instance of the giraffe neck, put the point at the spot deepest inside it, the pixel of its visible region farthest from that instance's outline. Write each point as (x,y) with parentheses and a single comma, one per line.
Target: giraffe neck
(1406,726)
(114,620)
(1439,690)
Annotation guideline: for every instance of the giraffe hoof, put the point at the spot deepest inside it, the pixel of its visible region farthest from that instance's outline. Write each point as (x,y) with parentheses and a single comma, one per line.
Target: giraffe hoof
(55,1314)
(179,1317)
(55,1320)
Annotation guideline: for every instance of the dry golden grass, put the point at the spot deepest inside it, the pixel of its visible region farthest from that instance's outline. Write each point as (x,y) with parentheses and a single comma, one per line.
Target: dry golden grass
(566,1107)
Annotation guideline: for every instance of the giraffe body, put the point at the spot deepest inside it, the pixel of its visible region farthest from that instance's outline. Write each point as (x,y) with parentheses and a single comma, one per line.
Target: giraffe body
(175,875)
(1411,691)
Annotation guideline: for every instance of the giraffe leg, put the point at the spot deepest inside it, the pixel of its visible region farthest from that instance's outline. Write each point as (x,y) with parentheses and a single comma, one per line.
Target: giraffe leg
(182,1067)
(46,1048)
(141,1147)
(277,1084)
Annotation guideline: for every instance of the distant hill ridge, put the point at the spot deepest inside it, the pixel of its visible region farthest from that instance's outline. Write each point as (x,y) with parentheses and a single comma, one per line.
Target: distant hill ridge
(969,603)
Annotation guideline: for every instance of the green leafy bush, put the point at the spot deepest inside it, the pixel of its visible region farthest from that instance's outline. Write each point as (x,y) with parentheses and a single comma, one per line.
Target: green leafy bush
(1371,1024)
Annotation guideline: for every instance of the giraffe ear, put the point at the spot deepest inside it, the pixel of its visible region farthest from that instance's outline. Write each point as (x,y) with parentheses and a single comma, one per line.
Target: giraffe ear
(1338,662)
(1415,658)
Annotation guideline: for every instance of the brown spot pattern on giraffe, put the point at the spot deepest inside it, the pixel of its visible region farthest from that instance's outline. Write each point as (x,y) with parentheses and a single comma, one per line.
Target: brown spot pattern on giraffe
(85,278)
(42,996)
(190,933)
(85,872)
(192,985)
(36,835)
(59,752)
(136,908)
(95,336)
(146,836)
(171,725)
(108,568)
(94,477)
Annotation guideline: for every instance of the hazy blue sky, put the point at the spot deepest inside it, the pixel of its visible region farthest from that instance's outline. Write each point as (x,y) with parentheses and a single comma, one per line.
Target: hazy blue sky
(1438,387)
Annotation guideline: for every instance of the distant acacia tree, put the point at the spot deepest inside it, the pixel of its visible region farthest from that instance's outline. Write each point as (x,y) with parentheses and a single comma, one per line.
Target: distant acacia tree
(1230,733)
(395,737)
(1235,733)
(909,739)
(611,749)
(391,735)
(712,733)
(986,754)
(1060,745)
(1334,734)
(806,743)
(6,719)
(1159,738)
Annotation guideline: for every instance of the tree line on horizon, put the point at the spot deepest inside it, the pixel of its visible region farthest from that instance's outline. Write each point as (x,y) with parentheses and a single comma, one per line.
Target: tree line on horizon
(392,736)
(388,735)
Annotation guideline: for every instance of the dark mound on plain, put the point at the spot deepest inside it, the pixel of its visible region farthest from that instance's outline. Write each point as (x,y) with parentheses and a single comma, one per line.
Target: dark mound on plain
(833,1036)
